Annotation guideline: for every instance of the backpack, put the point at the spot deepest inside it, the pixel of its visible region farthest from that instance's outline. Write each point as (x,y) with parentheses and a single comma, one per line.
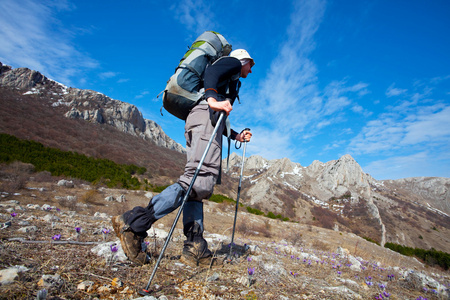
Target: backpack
(184,89)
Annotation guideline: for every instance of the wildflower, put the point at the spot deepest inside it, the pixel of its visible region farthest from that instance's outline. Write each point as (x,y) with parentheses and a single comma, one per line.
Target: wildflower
(106,231)
(339,273)
(386,294)
(379,297)
(56,237)
(13,214)
(58,210)
(249,259)
(293,274)
(251,271)
(381,286)
(113,248)
(78,229)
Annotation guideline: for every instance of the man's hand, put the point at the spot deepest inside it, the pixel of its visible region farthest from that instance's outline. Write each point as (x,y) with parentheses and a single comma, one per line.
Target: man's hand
(220,105)
(244,136)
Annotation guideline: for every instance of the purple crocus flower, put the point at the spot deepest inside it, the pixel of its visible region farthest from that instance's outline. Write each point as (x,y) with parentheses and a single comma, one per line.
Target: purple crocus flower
(386,294)
(105,231)
(56,237)
(13,214)
(113,248)
(251,271)
(249,259)
(78,229)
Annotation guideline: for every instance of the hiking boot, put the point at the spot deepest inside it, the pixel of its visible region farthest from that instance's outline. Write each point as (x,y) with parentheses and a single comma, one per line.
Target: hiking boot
(195,248)
(131,242)
(197,252)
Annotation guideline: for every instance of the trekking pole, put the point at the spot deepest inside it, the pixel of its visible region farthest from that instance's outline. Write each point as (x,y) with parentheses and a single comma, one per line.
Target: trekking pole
(145,291)
(238,193)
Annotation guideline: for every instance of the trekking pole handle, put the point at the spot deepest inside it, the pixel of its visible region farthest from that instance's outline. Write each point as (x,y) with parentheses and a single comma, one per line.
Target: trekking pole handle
(240,143)
(245,129)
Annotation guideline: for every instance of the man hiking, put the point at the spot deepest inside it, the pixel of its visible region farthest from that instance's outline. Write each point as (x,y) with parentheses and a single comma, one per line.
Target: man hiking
(221,84)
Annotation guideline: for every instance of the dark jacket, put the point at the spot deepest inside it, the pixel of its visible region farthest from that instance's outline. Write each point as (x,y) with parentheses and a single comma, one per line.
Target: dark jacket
(221,81)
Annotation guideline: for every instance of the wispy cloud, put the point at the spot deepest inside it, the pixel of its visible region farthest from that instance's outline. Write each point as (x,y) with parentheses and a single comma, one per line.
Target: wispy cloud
(142,94)
(196,15)
(400,166)
(30,37)
(415,124)
(107,75)
(393,91)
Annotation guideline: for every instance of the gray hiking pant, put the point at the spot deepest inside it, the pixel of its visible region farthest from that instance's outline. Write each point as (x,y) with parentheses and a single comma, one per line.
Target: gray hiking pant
(198,130)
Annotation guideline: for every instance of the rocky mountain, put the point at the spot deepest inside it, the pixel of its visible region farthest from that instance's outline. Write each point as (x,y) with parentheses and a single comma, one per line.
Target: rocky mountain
(87,105)
(337,194)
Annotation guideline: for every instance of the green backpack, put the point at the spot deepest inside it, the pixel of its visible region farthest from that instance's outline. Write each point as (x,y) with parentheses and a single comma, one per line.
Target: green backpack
(184,89)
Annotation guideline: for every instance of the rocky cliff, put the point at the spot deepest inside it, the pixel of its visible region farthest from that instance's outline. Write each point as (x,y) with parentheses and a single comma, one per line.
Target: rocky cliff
(88,105)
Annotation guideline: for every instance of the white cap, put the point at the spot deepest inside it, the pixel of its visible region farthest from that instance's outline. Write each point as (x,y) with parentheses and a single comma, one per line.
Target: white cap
(242,55)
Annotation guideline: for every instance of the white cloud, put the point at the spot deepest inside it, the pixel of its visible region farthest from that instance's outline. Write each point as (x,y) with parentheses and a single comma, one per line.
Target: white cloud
(289,98)
(142,95)
(30,38)
(399,166)
(106,75)
(405,127)
(289,91)
(392,91)
(271,144)
(432,126)
(196,15)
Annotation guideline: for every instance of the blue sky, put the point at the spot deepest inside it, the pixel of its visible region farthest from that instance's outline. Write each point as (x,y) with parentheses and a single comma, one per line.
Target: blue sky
(365,78)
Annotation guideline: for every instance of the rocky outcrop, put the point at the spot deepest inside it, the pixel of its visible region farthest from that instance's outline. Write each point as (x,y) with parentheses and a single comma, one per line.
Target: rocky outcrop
(338,177)
(88,105)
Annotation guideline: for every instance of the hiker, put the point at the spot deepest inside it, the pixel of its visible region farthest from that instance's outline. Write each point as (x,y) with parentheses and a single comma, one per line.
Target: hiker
(221,83)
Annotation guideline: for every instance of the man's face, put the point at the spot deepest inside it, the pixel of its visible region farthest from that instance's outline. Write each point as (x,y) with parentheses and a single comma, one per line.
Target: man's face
(246,69)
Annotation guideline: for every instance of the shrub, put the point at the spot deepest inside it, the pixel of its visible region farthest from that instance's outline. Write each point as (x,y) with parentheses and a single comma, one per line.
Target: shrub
(89,197)
(220,199)
(254,211)
(371,240)
(430,257)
